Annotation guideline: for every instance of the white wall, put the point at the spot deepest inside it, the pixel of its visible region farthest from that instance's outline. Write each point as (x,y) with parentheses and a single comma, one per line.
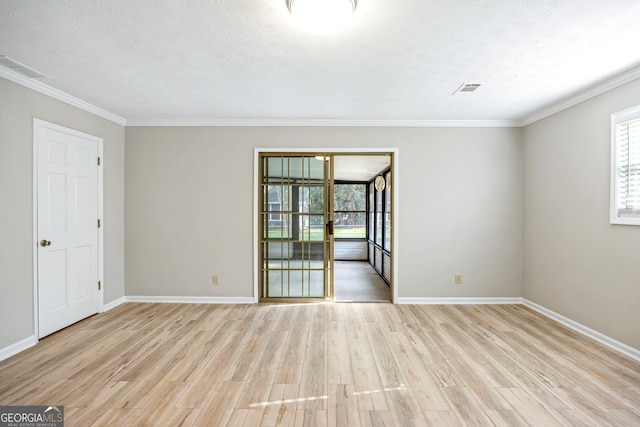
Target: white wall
(576,263)
(18,107)
(189,207)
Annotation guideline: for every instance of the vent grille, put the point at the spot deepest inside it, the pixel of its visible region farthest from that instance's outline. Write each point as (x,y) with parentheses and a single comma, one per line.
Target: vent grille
(467,87)
(19,68)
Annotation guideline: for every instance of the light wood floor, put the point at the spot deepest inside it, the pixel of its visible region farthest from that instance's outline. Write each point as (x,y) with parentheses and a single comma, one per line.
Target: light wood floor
(324,364)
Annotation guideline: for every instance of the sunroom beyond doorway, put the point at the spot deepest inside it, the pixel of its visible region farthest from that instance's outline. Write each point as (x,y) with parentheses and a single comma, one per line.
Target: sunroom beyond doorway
(294,238)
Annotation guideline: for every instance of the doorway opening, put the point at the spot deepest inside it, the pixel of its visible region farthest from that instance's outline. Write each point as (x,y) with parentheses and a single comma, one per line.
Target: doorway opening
(325,225)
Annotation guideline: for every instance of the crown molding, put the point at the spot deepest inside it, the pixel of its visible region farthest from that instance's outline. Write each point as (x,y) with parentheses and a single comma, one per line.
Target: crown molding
(322,123)
(38,86)
(584,95)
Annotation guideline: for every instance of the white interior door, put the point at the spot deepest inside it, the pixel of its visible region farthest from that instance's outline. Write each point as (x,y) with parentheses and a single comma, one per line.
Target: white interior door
(67,227)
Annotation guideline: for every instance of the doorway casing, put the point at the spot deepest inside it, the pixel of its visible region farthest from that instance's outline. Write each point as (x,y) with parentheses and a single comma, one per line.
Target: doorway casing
(392,152)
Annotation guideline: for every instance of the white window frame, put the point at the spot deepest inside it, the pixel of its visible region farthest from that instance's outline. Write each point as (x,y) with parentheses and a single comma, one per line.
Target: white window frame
(618,118)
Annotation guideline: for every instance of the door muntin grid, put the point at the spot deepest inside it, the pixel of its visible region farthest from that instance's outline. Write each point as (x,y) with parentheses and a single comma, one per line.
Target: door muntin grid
(295,245)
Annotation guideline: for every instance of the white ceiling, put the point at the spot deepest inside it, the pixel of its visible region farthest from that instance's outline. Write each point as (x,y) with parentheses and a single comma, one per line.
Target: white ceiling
(149,61)
(359,168)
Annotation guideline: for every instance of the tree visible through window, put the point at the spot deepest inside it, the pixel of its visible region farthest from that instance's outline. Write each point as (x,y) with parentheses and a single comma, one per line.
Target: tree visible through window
(350,210)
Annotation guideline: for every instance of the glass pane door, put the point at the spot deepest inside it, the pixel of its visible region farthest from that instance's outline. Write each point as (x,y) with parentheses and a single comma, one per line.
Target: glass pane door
(296,226)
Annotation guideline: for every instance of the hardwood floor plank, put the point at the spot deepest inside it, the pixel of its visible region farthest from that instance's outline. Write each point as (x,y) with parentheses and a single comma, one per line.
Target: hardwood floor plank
(313,382)
(343,405)
(313,417)
(466,407)
(376,419)
(117,417)
(339,357)
(281,408)
(528,408)
(402,404)
(505,418)
(260,379)
(218,409)
(365,373)
(290,369)
(441,419)
(433,360)
(324,364)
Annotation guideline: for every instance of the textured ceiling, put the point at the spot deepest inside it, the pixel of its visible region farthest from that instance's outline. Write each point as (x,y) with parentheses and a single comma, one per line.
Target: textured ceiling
(247,60)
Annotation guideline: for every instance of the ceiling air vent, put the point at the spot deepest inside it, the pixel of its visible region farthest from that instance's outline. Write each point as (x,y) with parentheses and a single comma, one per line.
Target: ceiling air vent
(467,87)
(19,68)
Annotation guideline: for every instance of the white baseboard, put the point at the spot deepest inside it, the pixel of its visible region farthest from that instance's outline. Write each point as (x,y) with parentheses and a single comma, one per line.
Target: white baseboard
(16,348)
(447,300)
(628,351)
(113,304)
(191,300)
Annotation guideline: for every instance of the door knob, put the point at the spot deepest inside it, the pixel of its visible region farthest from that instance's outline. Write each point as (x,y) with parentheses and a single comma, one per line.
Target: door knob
(45,243)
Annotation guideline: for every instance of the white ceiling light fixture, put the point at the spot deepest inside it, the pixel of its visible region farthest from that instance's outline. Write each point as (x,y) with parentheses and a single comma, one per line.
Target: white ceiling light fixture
(322,16)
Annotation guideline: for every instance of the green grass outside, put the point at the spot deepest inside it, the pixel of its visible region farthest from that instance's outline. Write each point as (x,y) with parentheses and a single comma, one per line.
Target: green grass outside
(318,233)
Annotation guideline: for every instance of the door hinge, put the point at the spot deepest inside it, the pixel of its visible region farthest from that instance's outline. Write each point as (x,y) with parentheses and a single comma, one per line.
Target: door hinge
(99,285)
(98,161)
(98,223)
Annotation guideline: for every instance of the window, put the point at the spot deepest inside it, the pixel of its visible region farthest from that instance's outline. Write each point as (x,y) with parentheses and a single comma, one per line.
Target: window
(387,212)
(379,211)
(372,206)
(625,167)
(274,207)
(350,211)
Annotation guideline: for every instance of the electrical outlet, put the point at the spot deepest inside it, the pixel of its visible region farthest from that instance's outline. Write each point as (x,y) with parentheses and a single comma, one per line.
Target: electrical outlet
(458,279)
(215,279)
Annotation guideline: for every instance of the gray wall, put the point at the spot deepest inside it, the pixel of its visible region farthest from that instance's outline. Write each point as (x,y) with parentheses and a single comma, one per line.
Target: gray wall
(189,207)
(18,107)
(576,263)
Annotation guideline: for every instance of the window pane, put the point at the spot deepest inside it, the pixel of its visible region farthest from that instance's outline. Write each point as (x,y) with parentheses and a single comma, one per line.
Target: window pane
(350,225)
(379,228)
(350,205)
(372,192)
(387,231)
(311,227)
(387,193)
(314,199)
(350,197)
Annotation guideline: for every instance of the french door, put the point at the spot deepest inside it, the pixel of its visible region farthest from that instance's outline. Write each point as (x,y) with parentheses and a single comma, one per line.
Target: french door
(296,226)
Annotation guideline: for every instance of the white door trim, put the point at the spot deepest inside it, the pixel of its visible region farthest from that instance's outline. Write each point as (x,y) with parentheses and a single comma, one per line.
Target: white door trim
(41,124)
(394,195)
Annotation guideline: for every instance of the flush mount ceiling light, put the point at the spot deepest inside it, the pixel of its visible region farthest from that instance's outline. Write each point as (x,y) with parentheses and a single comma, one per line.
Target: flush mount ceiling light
(321,16)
